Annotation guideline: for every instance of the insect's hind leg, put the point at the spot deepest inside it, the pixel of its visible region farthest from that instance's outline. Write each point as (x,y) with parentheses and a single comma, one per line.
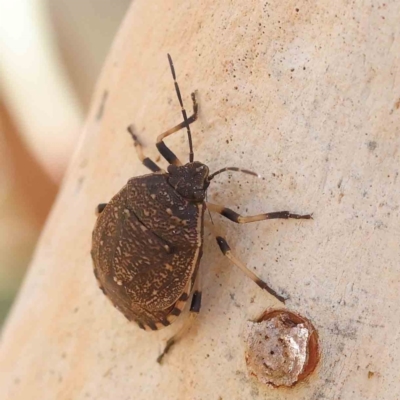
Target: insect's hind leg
(146,161)
(226,250)
(195,307)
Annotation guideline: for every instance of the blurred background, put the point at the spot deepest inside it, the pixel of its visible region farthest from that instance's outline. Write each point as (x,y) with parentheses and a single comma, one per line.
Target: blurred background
(51,53)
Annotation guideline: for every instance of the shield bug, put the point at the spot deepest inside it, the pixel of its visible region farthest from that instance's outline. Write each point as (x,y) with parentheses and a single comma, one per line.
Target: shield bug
(148,240)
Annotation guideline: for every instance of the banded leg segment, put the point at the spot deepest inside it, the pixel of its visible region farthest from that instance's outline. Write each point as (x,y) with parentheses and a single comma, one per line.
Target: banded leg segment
(235,217)
(162,147)
(226,250)
(194,311)
(146,161)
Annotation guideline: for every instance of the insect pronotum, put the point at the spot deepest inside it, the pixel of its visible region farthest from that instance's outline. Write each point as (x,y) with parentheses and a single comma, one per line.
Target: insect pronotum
(148,240)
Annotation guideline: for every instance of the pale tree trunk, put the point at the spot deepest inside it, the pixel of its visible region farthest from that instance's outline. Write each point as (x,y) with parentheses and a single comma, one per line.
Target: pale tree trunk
(308,95)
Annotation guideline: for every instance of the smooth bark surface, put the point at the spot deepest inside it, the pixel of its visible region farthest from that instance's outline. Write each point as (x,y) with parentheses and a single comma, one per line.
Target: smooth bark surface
(308,95)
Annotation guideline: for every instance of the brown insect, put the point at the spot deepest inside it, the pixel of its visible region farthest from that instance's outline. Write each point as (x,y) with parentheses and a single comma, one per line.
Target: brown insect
(148,240)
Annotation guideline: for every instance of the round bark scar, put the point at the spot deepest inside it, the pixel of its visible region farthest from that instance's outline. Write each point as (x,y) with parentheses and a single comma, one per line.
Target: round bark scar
(281,348)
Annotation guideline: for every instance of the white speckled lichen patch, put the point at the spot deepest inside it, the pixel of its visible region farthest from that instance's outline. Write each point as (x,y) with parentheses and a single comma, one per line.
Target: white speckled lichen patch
(281,348)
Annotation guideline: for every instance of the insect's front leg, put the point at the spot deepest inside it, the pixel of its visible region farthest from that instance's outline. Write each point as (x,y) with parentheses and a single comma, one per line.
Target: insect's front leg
(146,161)
(162,147)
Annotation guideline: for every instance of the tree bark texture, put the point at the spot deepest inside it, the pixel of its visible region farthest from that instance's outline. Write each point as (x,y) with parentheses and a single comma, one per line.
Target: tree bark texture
(307,94)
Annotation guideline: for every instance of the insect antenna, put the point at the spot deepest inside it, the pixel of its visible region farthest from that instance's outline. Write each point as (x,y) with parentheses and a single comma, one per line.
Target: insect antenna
(235,169)
(185,118)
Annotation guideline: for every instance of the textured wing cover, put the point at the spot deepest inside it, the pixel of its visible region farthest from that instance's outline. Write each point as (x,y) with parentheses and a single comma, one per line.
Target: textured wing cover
(146,246)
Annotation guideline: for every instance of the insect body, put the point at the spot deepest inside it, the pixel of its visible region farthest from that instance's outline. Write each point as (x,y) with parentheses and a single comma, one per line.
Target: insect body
(148,240)
(147,245)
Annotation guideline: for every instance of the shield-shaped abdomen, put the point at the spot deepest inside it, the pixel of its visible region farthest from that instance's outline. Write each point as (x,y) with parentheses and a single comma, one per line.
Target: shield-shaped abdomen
(146,248)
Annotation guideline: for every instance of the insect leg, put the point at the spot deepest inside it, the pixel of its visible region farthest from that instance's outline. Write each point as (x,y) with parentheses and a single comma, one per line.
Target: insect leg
(100,208)
(161,146)
(235,217)
(226,250)
(146,161)
(194,311)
